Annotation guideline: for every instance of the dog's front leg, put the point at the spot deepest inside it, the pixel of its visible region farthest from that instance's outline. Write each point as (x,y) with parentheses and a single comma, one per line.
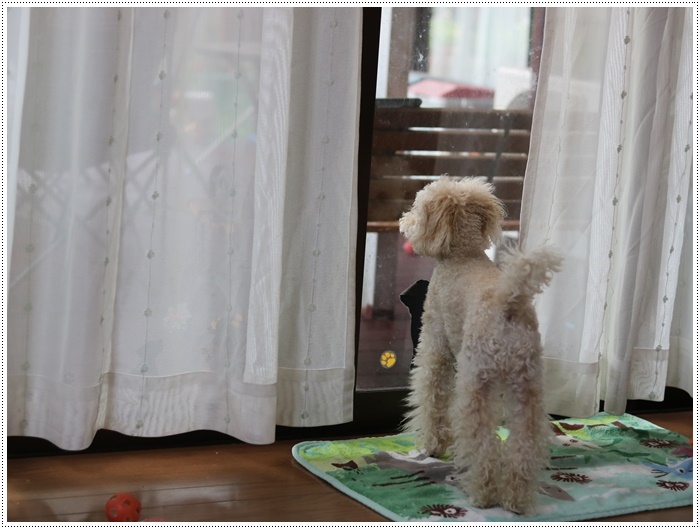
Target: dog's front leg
(431,388)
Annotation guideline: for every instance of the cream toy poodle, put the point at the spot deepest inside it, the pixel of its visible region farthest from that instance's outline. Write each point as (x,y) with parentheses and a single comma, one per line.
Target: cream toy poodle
(478,362)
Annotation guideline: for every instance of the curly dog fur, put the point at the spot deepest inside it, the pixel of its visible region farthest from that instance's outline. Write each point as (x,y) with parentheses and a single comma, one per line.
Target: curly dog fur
(478,361)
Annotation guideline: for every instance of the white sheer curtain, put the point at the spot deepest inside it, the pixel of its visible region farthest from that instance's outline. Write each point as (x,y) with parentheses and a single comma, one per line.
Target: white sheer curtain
(469,43)
(608,182)
(184,232)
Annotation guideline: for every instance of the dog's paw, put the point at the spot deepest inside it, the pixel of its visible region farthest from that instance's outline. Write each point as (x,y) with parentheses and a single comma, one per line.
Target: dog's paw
(518,507)
(436,447)
(518,501)
(483,500)
(482,493)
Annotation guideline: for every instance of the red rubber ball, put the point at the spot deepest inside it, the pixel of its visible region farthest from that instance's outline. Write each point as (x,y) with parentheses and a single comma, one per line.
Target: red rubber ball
(123,507)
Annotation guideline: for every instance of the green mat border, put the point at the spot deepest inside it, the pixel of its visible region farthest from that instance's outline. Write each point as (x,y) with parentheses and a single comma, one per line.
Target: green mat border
(517,518)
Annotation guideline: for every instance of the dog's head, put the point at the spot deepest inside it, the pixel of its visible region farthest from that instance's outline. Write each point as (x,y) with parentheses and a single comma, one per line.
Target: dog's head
(453,215)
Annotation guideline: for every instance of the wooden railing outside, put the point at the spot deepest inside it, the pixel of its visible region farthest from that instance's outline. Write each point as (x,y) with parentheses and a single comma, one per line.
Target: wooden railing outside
(413,146)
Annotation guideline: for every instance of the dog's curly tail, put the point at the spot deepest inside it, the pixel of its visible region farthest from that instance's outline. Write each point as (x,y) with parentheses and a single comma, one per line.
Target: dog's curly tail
(525,274)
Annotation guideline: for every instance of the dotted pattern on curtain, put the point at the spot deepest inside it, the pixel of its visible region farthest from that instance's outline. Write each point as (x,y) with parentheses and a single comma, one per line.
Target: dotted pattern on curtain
(320,200)
(232,139)
(609,288)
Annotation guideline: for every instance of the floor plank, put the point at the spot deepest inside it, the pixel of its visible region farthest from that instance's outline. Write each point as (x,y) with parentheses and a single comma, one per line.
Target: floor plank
(228,483)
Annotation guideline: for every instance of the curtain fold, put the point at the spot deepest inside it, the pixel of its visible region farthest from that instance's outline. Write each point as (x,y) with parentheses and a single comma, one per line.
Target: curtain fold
(185,197)
(269,184)
(317,300)
(608,182)
(18,20)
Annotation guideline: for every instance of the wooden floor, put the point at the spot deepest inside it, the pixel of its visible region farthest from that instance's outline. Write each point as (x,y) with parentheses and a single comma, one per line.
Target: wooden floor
(232,483)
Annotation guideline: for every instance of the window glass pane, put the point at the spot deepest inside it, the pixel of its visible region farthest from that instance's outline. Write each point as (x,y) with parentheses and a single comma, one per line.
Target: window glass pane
(454,93)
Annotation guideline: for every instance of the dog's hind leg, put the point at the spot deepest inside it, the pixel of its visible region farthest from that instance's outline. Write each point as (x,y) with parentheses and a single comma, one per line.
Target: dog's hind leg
(431,384)
(477,447)
(527,447)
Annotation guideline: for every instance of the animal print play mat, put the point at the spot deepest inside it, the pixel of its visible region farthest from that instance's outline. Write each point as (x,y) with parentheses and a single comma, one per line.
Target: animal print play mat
(603,466)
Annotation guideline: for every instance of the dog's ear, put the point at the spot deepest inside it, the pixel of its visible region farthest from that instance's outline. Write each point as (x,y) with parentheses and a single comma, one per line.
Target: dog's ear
(439,226)
(492,213)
